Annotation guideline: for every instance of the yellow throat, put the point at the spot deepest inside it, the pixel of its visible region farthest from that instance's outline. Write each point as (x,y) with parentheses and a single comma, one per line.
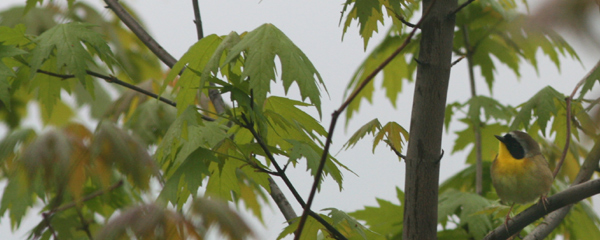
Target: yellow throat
(506,163)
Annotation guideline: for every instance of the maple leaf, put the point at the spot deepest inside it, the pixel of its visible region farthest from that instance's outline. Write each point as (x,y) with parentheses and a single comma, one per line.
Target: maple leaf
(5,72)
(543,104)
(261,46)
(73,44)
(190,83)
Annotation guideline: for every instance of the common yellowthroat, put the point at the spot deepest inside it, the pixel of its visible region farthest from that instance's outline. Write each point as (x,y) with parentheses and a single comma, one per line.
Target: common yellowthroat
(520,173)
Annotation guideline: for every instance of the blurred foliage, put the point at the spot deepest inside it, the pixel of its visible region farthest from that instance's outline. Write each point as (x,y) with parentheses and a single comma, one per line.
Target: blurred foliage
(149,170)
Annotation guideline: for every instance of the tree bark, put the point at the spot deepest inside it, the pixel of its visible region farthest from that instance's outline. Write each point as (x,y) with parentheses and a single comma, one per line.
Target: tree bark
(429,103)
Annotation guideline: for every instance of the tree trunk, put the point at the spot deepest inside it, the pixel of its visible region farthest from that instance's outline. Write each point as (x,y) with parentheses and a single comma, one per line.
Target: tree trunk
(429,103)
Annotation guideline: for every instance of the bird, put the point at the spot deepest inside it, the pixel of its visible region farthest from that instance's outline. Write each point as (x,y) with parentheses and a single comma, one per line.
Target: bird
(520,173)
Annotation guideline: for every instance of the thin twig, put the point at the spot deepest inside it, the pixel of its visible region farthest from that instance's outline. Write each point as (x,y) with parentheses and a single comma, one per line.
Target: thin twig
(113,79)
(461,6)
(47,217)
(568,100)
(337,113)
(397,152)
(568,137)
(198,20)
(458,60)
(88,197)
(400,18)
(85,224)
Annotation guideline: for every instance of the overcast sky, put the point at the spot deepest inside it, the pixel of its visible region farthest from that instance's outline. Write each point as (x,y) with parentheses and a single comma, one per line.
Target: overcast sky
(313,26)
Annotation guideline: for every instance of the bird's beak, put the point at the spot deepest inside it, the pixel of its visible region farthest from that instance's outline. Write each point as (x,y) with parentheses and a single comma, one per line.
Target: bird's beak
(500,138)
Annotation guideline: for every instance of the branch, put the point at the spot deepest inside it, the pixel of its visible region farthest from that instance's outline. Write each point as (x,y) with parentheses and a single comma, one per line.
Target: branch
(570,196)
(48,215)
(281,201)
(457,60)
(461,6)
(111,79)
(198,20)
(400,18)
(336,115)
(141,33)
(88,197)
(250,126)
(85,224)
(569,100)
(585,173)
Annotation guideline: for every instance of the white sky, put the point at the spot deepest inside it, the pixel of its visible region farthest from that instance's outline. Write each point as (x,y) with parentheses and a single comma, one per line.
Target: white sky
(313,26)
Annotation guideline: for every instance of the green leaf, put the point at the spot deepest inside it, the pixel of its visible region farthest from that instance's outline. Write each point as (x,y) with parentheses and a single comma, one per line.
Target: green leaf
(72,44)
(497,30)
(312,154)
(13,36)
(449,113)
(190,83)
(48,88)
(60,116)
(151,120)
(260,47)
(369,128)
(311,229)
(385,219)
(394,74)
(296,117)
(18,196)
(170,152)
(223,181)
(368,13)
(29,4)
(582,222)
(489,144)
(6,72)
(492,108)
(543,104)
(592,77)
(393,134)
(187,178)
(216,61)
(343,221)
(464,180)
(12,140)
(467,207)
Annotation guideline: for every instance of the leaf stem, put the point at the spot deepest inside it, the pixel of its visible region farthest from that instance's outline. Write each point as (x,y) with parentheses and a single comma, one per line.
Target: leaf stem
(335,115)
